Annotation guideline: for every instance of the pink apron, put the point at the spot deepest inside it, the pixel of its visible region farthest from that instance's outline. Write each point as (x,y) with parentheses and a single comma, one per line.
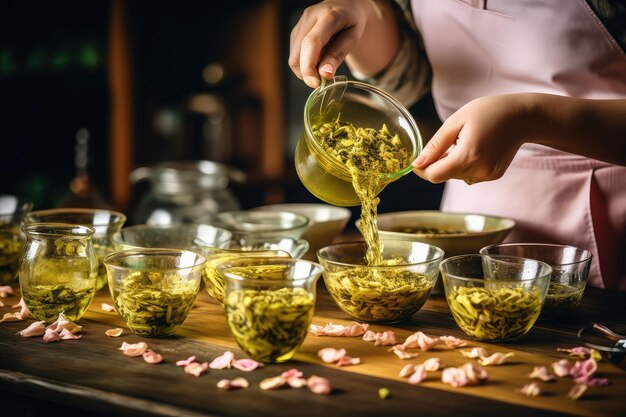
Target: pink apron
(555,47)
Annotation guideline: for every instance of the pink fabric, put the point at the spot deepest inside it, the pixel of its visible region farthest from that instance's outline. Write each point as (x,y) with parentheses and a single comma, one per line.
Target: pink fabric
(543,46)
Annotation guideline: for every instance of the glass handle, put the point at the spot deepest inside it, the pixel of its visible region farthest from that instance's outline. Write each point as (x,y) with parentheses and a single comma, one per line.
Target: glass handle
(330,92)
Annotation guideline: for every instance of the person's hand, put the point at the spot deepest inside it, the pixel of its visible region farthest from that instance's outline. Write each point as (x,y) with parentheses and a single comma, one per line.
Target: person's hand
(324,35)
(478,142)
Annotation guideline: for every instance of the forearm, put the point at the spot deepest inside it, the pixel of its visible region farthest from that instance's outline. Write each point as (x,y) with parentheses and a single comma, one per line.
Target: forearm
(380,41)
(592,128)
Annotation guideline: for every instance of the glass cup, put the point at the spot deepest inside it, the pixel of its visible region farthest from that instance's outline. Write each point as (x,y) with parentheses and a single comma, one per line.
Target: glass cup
(12,210)
(269,304)
(256,224)
(58,270)
(364,106)
(570,268)
(252,247)
(105,223)
(199,238)
(495,298)
(390,292)
(153,290)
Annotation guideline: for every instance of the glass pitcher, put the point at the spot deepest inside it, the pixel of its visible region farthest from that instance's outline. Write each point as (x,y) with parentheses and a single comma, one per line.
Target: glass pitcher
(58,270)
(185,192)
(362,105)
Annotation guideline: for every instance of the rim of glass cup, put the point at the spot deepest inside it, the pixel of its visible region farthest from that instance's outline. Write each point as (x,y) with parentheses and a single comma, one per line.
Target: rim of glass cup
(547,269)
(370,88)
(303,220)
(52,229)
(56,214)
(587,254)
(118,239)
(223,267)
(438,257)
(199,260)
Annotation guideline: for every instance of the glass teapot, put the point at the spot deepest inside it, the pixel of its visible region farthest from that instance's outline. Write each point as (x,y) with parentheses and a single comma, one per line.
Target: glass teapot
(185,192)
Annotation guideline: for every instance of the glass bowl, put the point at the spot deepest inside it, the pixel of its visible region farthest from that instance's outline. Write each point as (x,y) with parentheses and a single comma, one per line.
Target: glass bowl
(262,224)
(12,211)
(153,290)
(388,293)
(105,222)
(495,298)
(194,237)
(606,342)
(570,268)
(252,247)
(58,270)
(269,304)
(326,222)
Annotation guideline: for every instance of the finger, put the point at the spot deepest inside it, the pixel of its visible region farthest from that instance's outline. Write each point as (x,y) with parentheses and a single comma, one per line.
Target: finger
(336,52)
(445,168)
(295,43)
(441,141)
(311,49)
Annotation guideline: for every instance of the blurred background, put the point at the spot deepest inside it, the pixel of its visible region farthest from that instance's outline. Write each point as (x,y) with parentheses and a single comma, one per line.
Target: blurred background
(90,91)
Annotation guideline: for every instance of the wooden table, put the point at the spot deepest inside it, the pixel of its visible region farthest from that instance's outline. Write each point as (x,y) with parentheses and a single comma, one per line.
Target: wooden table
(90,377)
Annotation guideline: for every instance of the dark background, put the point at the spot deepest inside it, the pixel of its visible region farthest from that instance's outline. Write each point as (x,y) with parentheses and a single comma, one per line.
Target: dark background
(54,79)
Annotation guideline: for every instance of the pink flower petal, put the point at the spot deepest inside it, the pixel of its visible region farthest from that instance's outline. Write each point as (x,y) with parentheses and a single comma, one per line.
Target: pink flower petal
(245,365)
(591,381)
(150,356)
(403,354)
(68,335)
(107,307)
(223,361)
(331,355)
(272,383)
(453,342)
(577,391)
(432,364)
(475,373)
(421,340)
(35,329)
(347,361)
(50,336)
(541,372)
(231,384)
(532,390)
(319,385)
(186,362)
(562,367)
(136,349)
(11,317)
(297,382)
(292,373)
(5,291)
(579,351)
(24,311)
(117,332)
(497,358)
(454,377)
(407,370)
(477,352)
(351,330)
(196,369)
(59,324)
(418,375)
(584,368)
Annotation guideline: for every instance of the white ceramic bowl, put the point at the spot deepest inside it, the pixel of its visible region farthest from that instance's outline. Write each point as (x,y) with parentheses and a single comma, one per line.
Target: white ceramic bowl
(326,222)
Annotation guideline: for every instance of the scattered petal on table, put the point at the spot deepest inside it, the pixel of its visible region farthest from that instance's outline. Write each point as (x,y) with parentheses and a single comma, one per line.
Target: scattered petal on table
(223,361)
(150,356)
(135,349)
(50,336)
(497,358)
(418,375)
(453,342)
(421,340)
(348,360)
(319,385)
(331,355)
(231,384)
(432,364)
(591,381)
(532,390)
(24,311)
(562,367)
(245,365)
(10,317)
(5,291)
(584,368)
(117,332)
(385,338)
(407,370)
(577,391)
(186,362)
(541,372)
(196,369)
(68,335)
(582,352)
(477,352)
(272,383)
(37,328)
(351,330)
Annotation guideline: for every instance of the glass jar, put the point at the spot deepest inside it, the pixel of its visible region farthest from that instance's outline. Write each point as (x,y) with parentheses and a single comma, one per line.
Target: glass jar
(269,304)
(58,270)
(106,224)
(12,210)
(363,106)
(185,192)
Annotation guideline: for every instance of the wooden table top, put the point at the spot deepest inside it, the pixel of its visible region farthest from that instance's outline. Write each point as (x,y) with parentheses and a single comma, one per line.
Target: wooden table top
(92,376)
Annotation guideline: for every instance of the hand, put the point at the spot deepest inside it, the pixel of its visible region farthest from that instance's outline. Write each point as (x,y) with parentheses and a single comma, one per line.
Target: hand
(323,36)
(478,142)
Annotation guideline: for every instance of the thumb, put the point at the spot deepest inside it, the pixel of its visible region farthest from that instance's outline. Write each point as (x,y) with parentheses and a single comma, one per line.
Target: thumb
(439,144)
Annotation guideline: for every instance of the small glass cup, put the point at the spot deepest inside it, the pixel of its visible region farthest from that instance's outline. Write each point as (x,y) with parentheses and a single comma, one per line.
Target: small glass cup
(12,210)
(257,224)
(269,304)
(570,268)
(386,293)
(105,222)
(153,290)
(199,238)
(495,298)
(58,270)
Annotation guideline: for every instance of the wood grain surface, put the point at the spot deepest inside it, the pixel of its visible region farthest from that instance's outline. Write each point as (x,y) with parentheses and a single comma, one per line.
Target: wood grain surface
(92,375)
